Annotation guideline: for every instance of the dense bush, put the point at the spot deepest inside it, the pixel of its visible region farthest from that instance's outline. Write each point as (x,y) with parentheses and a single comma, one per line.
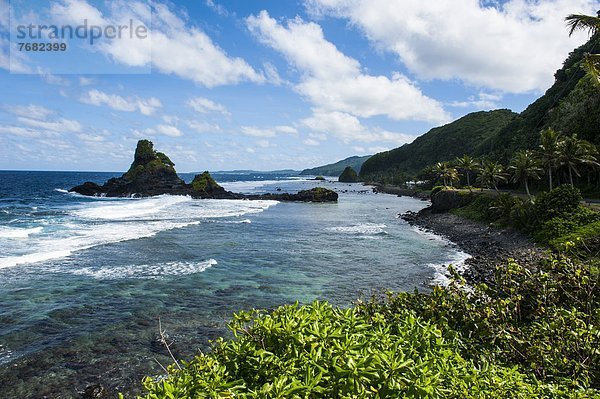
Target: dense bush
(559,202)
(546,321)
(530,334)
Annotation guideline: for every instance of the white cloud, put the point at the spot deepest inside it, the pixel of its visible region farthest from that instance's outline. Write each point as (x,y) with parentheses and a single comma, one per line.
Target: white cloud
(52,79)
(286,129)
(205,106)
(116,102)
(218,8)
(168,130)
(349,128)
(172,47)
(60,126)
(19,131)
(30,111)
(311,142)
(334,82)
(203,127)
(514,47)
(483,101)
(268,132)
(91,138)
(265,144)
(83,81)
(257,132)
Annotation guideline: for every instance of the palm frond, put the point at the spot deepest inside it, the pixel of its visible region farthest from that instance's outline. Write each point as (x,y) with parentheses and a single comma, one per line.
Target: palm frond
(582,22)
(591,64)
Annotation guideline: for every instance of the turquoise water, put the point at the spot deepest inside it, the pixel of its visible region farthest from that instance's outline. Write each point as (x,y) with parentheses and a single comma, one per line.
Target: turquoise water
(83,281)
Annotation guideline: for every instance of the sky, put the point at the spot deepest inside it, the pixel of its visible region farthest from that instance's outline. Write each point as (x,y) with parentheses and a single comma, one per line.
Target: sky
(263,84)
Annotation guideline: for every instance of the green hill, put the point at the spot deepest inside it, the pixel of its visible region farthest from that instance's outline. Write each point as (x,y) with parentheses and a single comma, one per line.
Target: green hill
(571,105)
(335,169)
(444,143)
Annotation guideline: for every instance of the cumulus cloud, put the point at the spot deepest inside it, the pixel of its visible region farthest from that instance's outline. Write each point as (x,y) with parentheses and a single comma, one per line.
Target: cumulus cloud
(205,106)
(334,82)
(144,106)
(172,47)
(514,47)
(349,128)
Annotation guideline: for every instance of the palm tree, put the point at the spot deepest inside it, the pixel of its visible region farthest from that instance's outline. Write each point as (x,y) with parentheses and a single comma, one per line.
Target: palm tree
(491,173)
(574,152)
(467,165)
(591,62)
(525,166)
(548,151)
(447,173)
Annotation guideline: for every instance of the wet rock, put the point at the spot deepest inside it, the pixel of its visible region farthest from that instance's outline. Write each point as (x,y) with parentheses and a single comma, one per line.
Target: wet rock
(95,391)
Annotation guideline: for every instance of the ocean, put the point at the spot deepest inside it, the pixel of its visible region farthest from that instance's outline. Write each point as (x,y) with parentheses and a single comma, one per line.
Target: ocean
(84,281)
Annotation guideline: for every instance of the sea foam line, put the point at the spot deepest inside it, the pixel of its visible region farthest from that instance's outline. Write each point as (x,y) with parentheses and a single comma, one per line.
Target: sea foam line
(146,271)
(457,259)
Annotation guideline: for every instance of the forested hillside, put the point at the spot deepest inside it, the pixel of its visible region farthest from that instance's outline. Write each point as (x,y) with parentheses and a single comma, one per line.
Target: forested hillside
(570,106)
(443,143)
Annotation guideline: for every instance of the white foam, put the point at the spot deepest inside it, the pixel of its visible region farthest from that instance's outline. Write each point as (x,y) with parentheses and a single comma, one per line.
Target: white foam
(131,209)
(18,232)
(367,229)
(146,271)
(85,237)
(457,259)
(101,222)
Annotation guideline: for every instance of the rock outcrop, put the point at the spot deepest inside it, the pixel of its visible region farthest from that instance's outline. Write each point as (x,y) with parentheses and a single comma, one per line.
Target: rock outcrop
(349,175)
(317,194)
(445,200)
(153,173)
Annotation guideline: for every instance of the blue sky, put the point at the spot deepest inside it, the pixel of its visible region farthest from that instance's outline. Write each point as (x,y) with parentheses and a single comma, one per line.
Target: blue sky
(267,84)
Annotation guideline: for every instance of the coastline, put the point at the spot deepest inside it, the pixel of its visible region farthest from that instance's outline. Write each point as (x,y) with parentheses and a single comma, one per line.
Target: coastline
(488,246)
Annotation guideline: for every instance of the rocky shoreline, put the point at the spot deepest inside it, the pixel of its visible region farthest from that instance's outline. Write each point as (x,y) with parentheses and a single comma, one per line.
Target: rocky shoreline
(488,246)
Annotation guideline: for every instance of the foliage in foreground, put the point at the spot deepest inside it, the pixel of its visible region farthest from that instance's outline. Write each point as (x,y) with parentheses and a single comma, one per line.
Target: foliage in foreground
(530,334)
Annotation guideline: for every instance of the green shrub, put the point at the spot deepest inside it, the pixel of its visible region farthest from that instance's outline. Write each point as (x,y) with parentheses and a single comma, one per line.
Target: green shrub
(501,208)
(319,351)
(561,201)
(545,321)
(585,238)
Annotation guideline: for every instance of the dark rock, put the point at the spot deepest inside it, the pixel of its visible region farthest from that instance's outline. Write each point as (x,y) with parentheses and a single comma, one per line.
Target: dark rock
(204,186)
(151,173)
(445,200)
(349,175)
(95,391)
(88,188)
(317,194)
